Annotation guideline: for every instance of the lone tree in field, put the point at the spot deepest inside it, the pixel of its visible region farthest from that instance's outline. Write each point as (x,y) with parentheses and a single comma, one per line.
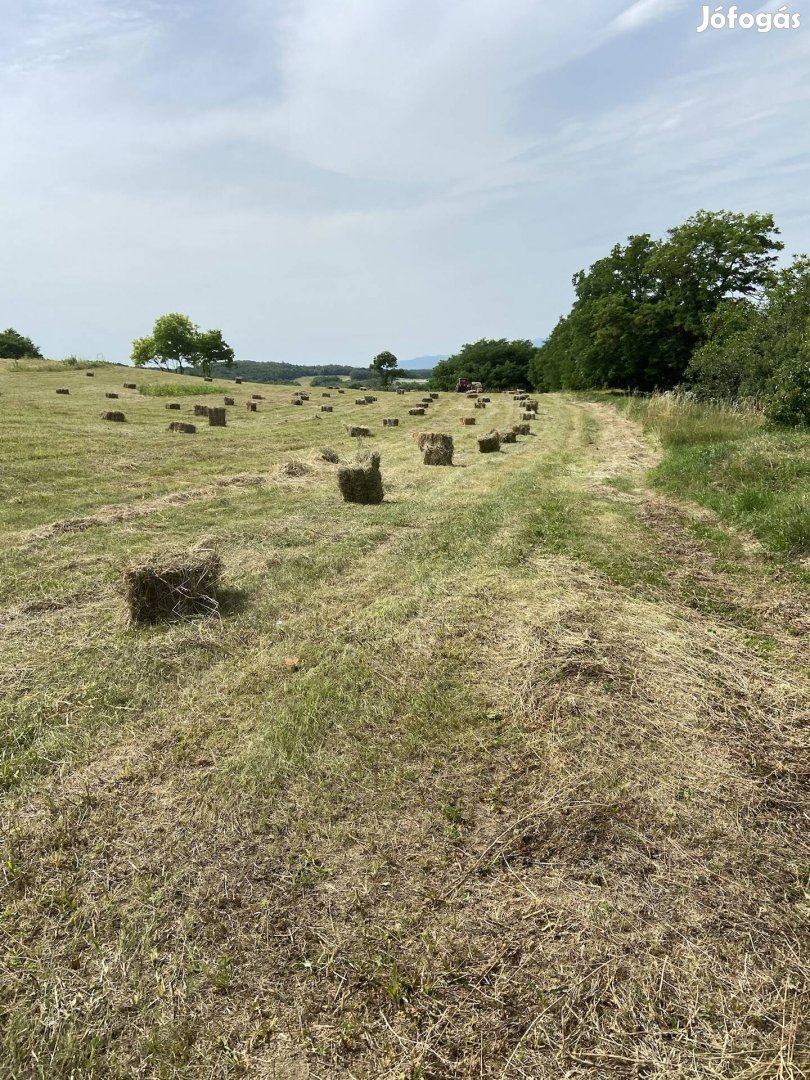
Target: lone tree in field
(384,364)
(14,346)
(176,342)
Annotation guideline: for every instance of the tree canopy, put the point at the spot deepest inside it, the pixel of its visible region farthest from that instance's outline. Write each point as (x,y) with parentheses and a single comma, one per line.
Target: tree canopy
(642,311)
(384,365)
(176,342)
(13,346)
(497,364)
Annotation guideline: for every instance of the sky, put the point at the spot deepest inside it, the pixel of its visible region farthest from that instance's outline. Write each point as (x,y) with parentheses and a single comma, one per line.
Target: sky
(325,179)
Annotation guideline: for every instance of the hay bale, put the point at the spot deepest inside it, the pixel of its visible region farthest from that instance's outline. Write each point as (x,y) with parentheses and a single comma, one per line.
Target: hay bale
(400,391)
(330,455)
(63,390)
(468,421)
(480,405)
(341,391)
(416,412)
(489,443)
(90,374)
(303,396)
(297,401)
(201,410)
(362,483)
(327,408)
(522,429)
(173,586)
(528,416)
(357,432)
(116,417)
(130,386)
(229,401)
(532,405)
(172,404)
(435,397)
(370,399)
(472,395)
(360,401)
(217,417)
(391,421)
(486,400)
(257,397)
(437,448)
(251,406)
(183,429)
(238,382)
(508,437)
(110,394)
(326,394)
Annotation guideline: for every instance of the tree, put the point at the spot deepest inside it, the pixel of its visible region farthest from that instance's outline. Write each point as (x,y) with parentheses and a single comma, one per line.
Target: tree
(384,364)
(176,341)
(14,346)
(497,364)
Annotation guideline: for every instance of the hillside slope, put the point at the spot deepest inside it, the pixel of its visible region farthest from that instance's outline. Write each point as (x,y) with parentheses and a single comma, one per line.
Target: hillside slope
(504,777)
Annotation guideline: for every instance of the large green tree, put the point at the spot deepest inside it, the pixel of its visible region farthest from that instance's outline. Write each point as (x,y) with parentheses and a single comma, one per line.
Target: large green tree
(384,366)
(13,346)
(641,312)
(498,364)
(177,343)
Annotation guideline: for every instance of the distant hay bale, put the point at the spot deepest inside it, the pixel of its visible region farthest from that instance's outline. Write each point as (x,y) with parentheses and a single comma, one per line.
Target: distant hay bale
(303,396)
(297,401)
(370,399)
(63,390)
(416,412)
(110,394)
(229,401)
(531,405)
(116,417)
(437,448)
(360,401)
(201,410)
(257,397)
(295,468)
(520,397)
(468,421)
(357,432)
(480,405)
(130,386)
(251,406)
(400,391)
(172,404)
(206,379)
(182,428)
(172,586)
(327,408)
(90,374)
(238,382)
(486,400)
(522,429)
(217,417)
(362,483)
(391,421)
(472,395)
(528,416)
(508,437)
(489,443)
(341,391)
(326,394)
(330,455)
(435,397)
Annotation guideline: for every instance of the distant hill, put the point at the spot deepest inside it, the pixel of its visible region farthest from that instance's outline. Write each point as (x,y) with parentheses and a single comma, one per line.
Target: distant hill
(421,363)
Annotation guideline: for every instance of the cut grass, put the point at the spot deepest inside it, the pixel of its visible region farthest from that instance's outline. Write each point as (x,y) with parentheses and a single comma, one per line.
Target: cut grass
(503,777)
(191,388)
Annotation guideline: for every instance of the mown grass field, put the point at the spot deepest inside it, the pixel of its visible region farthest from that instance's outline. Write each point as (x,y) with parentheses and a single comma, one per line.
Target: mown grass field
(504,777)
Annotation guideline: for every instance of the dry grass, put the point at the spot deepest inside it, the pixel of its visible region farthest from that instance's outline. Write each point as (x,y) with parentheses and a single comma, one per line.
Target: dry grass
(461,785)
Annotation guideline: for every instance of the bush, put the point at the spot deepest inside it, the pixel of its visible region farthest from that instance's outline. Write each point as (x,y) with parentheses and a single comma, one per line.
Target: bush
(789,399)
(192,388)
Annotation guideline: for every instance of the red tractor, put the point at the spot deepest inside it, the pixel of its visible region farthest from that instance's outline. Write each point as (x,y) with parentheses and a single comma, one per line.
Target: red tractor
(464,386)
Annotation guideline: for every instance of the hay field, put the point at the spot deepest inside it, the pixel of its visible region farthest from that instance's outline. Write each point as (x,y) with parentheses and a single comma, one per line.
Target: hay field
(504,777)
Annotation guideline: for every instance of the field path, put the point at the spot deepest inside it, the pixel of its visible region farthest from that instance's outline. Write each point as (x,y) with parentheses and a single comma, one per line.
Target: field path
(506,777)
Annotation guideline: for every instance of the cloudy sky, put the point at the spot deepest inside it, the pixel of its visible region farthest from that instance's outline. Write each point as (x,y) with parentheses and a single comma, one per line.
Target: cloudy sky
(323,179)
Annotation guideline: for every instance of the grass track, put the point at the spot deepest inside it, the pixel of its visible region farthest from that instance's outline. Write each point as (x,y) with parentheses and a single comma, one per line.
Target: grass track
(534,801)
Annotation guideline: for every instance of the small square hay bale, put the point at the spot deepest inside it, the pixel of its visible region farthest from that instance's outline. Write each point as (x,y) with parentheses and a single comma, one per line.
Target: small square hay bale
(110,394)
(528,416)
(416,412)
(508,437)
(257,397)
(472,395)
(206,379)
(532,405)
(182,428)
(480,404)
(90,374)
(201,410)
(519,397)
(341,391)
(400,391)
(330,455)
(435,397)
(360,401)
(238,382)
(391,421)
(522,429)
(358,432)
(468,421)
(370,399)
(438,448)
(251,406)
(486,400)
(303,396)
(172,404)
(327,408)
(362,483)
(326,394)
(217,417)
(489,443)
(297,401)
(172,585)
(63,390)
(116,417)
(130,386)
(229,401)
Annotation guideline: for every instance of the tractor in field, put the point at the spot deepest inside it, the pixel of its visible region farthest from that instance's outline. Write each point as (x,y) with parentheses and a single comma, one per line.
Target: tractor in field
(464,386)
